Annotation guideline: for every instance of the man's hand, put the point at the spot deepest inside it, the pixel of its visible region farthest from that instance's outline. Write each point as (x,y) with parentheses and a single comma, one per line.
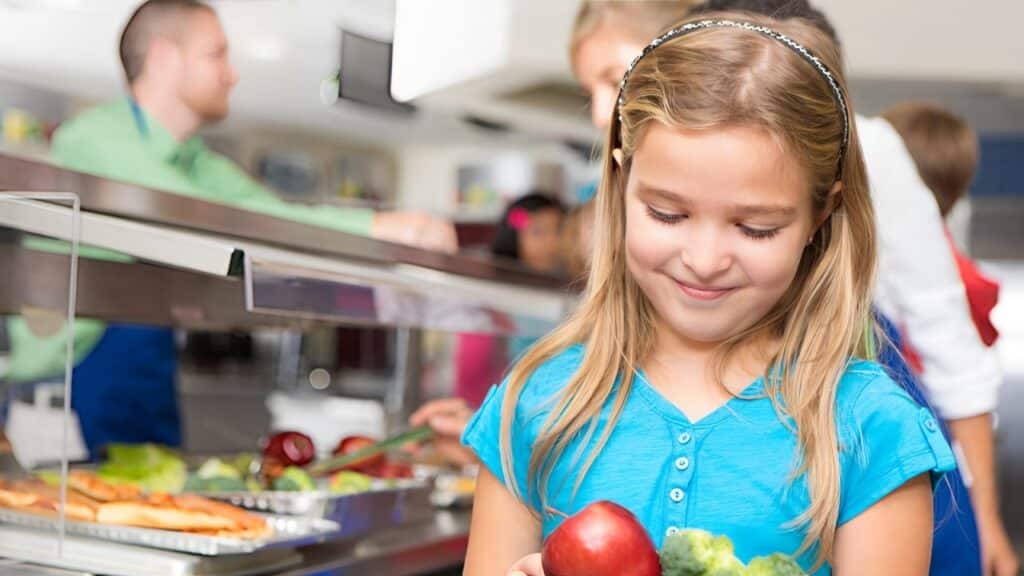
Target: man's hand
(417,229)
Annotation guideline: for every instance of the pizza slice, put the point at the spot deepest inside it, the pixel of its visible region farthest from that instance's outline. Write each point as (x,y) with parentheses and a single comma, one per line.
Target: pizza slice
(91,485)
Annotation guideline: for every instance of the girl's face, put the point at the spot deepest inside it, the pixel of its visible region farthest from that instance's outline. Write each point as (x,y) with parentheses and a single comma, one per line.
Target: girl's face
(539,246)
(601,60)
(716,224)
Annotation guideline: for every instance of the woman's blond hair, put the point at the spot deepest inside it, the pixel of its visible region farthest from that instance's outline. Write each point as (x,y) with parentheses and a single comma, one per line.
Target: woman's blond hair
(709,80)
(642,19)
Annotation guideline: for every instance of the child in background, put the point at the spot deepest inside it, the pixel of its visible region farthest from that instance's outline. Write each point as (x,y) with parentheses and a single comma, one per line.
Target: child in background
(945,150)
(718,373)
(530,233)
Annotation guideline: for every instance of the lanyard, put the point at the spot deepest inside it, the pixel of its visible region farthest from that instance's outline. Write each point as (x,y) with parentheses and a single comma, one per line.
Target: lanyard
(140,120)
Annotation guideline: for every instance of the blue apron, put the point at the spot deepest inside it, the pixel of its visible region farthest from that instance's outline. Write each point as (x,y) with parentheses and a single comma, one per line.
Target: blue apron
(123,390)
(955,547)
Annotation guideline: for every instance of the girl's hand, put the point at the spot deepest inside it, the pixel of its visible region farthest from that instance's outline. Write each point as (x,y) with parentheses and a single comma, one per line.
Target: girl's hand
(527,566)
(448,419)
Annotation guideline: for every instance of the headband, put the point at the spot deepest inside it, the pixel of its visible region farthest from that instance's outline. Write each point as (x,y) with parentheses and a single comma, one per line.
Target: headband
(819,66)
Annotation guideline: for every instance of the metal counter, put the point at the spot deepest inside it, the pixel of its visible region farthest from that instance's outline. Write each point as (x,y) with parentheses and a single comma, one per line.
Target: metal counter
(439,544)
(130,202)
(436,544)
(283,272)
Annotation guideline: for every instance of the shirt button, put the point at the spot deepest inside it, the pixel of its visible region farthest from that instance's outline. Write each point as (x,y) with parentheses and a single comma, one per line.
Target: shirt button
(930,425)
(684,438)
(672,531)
(676,495)
(682,463)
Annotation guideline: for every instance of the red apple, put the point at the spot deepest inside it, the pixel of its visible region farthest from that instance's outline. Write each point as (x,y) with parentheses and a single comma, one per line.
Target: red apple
(394,470)
(369,465)
(604,539)
(289,448)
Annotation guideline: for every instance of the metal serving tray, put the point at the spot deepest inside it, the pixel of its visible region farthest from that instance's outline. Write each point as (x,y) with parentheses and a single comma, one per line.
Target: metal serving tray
(384,506)
(289,532)
(90,556)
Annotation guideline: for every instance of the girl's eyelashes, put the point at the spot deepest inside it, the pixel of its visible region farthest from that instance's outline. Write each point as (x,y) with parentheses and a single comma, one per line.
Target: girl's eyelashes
(758,233)
(748,231)
(664,217)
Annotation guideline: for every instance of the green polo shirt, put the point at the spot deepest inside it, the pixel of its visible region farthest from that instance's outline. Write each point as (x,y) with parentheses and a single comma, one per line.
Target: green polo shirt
(120,141)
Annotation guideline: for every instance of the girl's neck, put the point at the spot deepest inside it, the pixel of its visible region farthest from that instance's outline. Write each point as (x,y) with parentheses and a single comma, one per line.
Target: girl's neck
(687,372)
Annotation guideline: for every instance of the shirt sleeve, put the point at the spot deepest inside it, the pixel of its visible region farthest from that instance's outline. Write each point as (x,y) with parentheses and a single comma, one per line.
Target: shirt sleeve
(240,190)
(533,405)
(483,436)
(886,439)
(919,286)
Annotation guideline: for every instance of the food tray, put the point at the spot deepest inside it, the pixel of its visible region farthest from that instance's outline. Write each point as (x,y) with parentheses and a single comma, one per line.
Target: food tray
(289,531)
(310,503)
(385,505)
(90,556)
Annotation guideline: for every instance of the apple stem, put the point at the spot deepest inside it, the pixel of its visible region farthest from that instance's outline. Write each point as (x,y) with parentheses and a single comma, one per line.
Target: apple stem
(552,511)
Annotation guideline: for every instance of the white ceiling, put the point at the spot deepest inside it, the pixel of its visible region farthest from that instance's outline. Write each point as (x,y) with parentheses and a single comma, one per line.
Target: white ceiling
(284,48)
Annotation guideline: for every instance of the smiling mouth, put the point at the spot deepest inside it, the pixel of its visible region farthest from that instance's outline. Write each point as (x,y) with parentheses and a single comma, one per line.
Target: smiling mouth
(706,293)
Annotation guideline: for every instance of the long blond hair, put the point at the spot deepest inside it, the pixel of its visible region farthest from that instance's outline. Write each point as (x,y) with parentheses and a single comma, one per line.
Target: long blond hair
(708,80)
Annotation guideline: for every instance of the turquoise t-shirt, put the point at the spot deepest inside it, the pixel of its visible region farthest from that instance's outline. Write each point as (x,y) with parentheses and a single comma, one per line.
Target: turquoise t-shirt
(729,473)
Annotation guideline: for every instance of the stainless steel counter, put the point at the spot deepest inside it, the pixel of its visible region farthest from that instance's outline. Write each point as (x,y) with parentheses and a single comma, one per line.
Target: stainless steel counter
(438,544)
(113,198)
(431,545)
(285,272)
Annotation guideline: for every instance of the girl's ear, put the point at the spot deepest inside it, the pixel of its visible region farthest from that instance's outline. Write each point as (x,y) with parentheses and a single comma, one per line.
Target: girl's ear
(830,205)
(617,154)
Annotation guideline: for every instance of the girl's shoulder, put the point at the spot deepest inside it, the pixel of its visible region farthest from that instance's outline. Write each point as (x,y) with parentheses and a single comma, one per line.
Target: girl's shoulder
(866,387)
(885,438)
(875,415)
(552,376)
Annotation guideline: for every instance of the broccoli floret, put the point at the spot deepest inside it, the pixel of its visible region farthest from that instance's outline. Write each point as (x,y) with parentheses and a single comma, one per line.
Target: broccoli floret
(774,565)
(698,553)
(723,562)
(726,566)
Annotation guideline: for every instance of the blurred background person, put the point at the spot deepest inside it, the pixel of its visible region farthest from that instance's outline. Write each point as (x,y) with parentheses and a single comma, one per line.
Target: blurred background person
(945,150)
(529,232)
(176,62)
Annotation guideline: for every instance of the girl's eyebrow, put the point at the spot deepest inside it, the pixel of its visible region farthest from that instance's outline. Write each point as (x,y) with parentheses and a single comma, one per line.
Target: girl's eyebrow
(744,210)
(648,190)
(764,210)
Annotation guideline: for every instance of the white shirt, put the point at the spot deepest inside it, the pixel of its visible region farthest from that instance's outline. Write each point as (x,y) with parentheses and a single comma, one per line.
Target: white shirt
(919,287)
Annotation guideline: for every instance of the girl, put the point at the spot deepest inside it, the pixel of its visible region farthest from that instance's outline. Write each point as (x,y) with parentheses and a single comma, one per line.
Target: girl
(917,283)
(528,232)
(717,374)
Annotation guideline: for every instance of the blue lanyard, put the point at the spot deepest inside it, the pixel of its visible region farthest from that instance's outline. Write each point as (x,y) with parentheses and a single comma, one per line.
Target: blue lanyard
(140,120)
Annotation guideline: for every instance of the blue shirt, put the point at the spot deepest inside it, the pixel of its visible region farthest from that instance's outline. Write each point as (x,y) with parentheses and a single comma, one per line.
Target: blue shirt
(729,473)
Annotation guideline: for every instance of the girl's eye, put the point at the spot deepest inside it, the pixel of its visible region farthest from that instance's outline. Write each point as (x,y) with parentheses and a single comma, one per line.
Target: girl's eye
(665,217)
(758,233)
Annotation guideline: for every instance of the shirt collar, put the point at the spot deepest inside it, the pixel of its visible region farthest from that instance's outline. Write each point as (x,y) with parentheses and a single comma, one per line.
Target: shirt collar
(162,143)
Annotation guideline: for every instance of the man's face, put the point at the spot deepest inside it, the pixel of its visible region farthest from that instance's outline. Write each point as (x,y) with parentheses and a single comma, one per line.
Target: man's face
(206,75)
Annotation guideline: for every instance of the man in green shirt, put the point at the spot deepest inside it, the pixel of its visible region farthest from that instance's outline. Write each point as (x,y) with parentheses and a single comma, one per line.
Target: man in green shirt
(174,54)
